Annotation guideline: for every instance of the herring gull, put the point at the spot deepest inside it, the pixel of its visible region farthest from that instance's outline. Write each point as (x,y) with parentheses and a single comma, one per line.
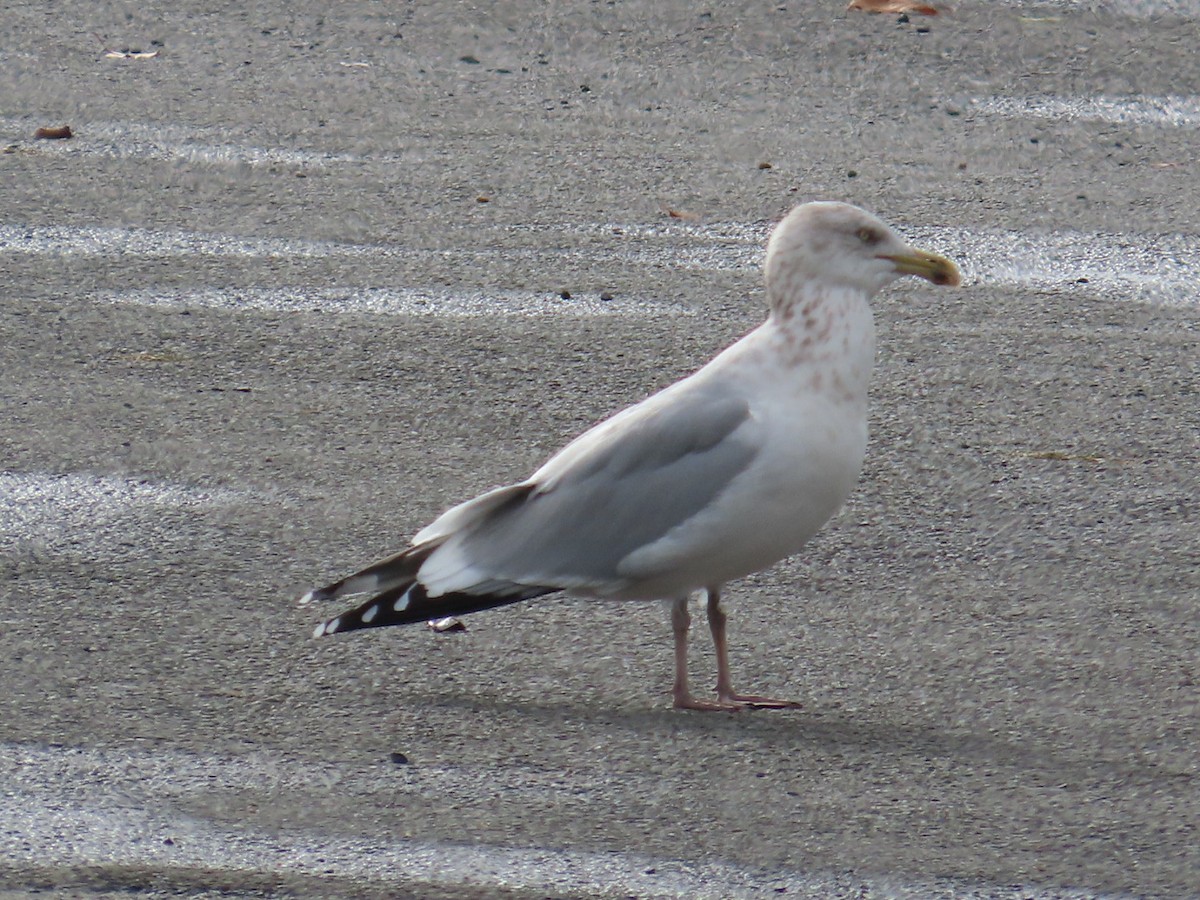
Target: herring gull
(713,478)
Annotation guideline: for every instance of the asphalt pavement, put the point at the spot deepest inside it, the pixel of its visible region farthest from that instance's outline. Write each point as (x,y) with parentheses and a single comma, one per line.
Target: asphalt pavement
(307,274)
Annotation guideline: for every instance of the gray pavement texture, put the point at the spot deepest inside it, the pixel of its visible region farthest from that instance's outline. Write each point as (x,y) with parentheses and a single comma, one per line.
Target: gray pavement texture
(293,288)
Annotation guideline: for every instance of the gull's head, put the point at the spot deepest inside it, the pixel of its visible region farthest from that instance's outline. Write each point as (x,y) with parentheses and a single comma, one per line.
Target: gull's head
(828,245)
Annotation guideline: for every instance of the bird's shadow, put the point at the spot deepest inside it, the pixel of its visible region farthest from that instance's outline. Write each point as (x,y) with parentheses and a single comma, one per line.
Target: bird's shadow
(784,731)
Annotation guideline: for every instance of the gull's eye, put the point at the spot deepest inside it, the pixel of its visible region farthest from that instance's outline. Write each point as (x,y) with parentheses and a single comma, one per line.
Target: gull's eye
(868,236)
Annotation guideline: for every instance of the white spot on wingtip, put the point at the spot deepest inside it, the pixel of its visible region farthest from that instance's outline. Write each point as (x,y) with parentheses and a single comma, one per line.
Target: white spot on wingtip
(369,615)
(401,603)
(319,631)
(328,628)
(306,599)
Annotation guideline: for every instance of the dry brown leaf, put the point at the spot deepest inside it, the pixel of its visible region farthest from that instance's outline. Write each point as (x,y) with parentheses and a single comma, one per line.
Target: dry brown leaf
(893,6)
(679,214)
(53,134)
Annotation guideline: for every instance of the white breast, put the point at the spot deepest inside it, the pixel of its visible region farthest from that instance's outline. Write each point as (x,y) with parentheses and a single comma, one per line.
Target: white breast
(809,418)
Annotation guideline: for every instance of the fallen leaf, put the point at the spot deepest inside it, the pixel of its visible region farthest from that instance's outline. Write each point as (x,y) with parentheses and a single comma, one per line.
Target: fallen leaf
(893,6)
(53,134)
(680,214)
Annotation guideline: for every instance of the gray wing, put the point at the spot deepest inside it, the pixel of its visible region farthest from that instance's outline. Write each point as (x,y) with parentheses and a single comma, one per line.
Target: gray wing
(624,487)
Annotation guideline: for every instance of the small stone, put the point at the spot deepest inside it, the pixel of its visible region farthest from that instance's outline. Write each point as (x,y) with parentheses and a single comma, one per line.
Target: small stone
(469,60)
(852,174)
(606,296)
(398,758)
(764,165)
(566,295)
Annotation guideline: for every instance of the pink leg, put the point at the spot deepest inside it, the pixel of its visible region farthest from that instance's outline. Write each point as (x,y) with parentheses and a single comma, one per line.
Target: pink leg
(725,692)
(681,620)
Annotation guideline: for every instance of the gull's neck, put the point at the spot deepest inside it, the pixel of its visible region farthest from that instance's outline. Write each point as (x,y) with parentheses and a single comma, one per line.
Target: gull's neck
(826,336)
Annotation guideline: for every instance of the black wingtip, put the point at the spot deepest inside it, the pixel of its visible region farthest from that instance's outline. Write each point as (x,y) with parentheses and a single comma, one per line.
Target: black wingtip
(408,604)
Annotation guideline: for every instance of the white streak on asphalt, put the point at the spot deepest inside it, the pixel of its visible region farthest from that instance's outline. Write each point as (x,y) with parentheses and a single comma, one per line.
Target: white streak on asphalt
(99,241)
(1161,270)
(1137,9)
(1156,269)
(65,806)
(1178,111)
(177,144)
(72,512)
(397,301)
